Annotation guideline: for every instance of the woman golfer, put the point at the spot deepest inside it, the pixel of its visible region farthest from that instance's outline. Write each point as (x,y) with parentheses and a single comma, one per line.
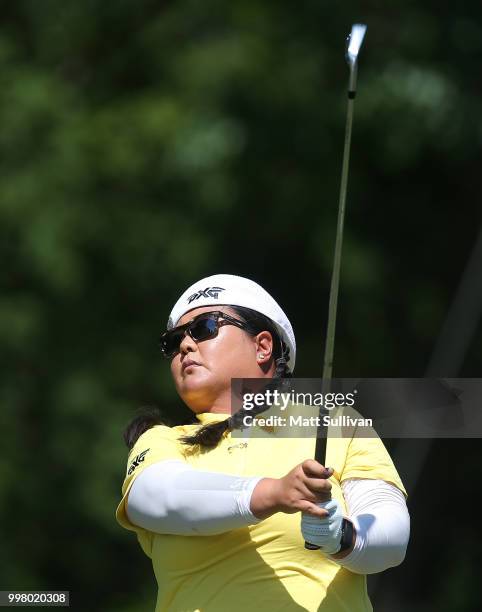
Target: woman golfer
(224,518)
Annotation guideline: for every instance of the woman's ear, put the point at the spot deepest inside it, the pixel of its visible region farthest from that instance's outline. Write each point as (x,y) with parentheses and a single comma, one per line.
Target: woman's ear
(264,347)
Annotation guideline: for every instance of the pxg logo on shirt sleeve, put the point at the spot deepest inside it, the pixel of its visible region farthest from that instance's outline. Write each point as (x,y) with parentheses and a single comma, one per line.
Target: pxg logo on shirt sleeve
(209,292)
(135,462)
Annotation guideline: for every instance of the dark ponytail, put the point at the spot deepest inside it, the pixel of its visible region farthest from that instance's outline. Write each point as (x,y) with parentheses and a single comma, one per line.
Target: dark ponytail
(146,417)
(210,435)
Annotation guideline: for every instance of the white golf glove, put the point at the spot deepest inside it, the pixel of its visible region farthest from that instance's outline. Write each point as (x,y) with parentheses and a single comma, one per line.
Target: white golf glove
(326,532)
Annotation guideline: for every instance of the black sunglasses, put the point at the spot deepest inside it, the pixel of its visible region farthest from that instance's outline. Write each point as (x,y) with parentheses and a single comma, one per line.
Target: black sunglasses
(203,327)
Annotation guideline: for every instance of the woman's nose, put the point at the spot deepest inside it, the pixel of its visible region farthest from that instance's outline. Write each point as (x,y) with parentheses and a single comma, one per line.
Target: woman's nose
(187,344)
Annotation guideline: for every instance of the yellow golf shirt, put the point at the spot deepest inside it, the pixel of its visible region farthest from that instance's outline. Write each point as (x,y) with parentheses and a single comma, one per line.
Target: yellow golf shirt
(259,567)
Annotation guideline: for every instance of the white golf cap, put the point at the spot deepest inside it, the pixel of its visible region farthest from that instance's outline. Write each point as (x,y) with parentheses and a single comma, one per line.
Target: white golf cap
(227,289)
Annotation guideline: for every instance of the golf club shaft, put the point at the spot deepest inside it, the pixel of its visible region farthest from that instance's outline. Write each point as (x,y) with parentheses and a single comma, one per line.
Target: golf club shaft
(335,279)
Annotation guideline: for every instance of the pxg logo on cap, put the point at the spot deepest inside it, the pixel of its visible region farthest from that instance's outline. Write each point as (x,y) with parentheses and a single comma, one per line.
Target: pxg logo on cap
(209,292)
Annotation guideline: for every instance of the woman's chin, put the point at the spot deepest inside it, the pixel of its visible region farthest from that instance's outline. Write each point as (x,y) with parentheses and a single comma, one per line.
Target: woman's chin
(196,387)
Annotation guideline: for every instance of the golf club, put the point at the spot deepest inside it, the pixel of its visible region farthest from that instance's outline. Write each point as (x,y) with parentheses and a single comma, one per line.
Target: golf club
(354,42)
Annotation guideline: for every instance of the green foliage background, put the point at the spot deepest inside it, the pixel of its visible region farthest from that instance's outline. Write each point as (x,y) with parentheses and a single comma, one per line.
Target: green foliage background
(146,144)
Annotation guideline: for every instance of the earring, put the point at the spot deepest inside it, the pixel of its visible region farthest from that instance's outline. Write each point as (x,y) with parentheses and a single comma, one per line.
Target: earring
(261,356)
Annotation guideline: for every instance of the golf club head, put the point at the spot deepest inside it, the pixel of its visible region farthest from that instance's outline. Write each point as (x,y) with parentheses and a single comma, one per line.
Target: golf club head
(353,43)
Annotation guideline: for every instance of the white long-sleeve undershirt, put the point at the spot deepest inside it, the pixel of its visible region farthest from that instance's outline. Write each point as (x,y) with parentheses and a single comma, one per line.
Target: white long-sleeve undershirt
(380,516)
(171,497)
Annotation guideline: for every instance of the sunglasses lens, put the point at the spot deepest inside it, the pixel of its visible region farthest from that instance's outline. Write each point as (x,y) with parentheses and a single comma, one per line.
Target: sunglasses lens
(200,329)
(203,329)
(170,342)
